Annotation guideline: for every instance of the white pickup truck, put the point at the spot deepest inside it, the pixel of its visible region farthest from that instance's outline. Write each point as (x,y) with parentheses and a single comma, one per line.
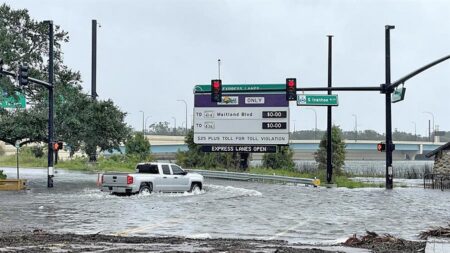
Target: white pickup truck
(152,177)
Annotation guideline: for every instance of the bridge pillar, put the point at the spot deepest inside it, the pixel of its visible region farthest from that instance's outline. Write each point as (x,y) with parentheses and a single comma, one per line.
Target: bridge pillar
(421,149)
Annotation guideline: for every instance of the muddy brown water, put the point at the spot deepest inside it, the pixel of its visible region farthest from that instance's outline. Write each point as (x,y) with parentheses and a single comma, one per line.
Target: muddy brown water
(225,209)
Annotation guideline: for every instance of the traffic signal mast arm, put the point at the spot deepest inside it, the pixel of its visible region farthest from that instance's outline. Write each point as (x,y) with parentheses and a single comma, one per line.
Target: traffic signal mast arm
(416,72)
(33,80)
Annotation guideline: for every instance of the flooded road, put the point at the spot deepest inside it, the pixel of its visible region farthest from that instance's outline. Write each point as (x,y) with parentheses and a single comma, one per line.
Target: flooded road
(225,209)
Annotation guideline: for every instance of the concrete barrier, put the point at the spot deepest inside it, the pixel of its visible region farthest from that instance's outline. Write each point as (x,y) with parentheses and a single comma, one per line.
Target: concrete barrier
(13,184)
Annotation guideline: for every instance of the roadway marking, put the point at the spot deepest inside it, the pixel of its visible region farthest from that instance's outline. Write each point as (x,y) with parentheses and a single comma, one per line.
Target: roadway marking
(285,231)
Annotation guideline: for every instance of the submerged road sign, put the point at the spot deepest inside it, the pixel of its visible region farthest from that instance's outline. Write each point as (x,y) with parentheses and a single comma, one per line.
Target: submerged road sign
(242,118)
(317,100)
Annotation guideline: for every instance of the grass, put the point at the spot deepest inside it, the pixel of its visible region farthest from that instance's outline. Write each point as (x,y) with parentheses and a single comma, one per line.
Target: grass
(123,163)
(27,160)
(340,181)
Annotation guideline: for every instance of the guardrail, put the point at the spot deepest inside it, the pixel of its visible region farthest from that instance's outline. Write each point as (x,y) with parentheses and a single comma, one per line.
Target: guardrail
(13,184)
(256,177)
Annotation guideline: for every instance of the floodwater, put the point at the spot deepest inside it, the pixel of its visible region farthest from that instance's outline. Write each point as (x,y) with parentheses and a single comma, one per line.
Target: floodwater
(225,209)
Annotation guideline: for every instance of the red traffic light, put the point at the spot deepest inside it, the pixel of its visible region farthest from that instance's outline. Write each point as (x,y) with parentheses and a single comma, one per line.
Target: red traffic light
(291,89)
(381,147)
(216,84)
(291,83)
(216,90)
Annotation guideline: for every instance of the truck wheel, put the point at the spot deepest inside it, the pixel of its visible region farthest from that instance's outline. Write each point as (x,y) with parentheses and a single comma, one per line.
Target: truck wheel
(195,187)
(146,189)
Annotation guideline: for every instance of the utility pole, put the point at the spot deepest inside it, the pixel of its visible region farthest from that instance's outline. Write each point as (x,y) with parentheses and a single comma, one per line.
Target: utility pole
(50,172)
(94,60)
(329,116)
(388,90)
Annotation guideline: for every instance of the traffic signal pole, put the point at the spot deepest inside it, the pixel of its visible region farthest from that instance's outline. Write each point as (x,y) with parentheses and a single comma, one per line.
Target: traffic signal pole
(329,117)
(388,90)
(50,169)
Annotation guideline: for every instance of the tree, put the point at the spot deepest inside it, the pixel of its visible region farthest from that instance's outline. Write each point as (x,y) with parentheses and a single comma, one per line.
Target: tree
(160,128)
(138,145)
(24,40)
(104,127)
(195,158)
(81,122)
(2,176)
(338,147)
(280,160)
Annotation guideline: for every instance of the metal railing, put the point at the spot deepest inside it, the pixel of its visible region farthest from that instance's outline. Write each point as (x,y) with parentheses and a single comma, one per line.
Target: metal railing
(256,177)
(436,181)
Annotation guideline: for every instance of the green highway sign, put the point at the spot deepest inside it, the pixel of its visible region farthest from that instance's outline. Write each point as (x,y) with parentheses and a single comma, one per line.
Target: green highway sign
(317,100)
(12,102)
(241,87)
(398,95)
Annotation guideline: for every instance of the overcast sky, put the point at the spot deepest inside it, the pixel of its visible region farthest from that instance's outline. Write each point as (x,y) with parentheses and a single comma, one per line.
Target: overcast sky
(151,53)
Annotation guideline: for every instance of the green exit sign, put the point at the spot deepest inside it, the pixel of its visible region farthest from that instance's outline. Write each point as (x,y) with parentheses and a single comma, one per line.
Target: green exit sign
(317,100)
(12,102)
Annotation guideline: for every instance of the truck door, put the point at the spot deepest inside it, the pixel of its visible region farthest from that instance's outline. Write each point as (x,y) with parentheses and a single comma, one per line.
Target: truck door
(167,183)
(180,178)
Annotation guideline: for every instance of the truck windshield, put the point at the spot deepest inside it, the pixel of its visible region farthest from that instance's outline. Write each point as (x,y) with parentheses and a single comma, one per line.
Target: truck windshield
(148,168)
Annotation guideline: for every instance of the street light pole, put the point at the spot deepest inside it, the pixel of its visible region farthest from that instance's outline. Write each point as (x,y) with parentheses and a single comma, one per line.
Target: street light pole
(143,122)
(315,120)
(181,100)
(175,125)
(433,129)
(146,118)
(415,130)
(218,67)
(356,126)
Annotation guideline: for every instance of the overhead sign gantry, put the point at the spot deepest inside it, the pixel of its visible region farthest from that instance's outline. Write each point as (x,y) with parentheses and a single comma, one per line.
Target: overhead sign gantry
(256,120)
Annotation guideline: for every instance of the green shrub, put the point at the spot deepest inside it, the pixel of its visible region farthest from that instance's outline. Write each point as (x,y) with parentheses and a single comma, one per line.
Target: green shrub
(38,151)
(280,160)
(338,151)
(2,176)
(139,146)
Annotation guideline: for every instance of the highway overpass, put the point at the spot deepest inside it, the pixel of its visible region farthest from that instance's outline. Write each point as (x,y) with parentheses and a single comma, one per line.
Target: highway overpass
(165,147)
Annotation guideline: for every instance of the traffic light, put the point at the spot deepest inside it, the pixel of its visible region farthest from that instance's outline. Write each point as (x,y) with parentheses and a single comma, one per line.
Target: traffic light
(381,147)
(58,145)
(291,89)
(23,75)
(216,90)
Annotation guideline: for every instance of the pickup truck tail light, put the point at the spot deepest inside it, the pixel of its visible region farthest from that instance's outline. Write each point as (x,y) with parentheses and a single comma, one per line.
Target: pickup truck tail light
(129,179)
